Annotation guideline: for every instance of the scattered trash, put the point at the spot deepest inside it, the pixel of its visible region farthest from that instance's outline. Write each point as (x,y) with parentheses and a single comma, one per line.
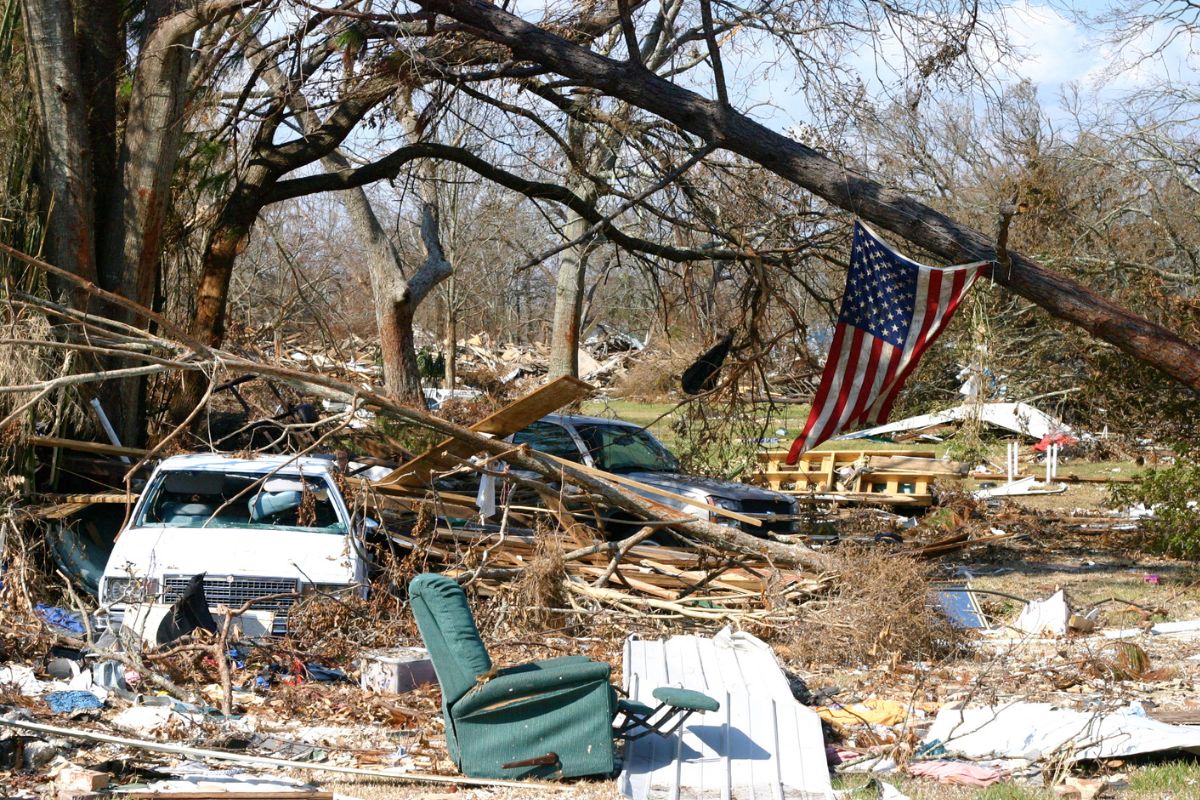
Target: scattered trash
(396,671)
(958,773)
(60,618)
(960,606)
(1045,617)
(873,712)
(1038,731)
(71,701)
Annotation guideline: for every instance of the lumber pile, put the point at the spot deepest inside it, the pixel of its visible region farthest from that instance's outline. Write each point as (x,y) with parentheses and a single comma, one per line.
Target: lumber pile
(887,477)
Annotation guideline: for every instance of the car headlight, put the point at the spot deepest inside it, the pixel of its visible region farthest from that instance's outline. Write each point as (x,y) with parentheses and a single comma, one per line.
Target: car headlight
(128,590)
(725,503)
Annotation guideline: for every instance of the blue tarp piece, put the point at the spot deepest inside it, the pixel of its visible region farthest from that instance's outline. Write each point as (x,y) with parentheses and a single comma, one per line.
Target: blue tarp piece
(60,618)
(66,702)
(959,606)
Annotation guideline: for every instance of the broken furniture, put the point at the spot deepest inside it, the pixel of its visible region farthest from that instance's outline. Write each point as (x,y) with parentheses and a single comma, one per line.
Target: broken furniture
(890,477)
(551,718)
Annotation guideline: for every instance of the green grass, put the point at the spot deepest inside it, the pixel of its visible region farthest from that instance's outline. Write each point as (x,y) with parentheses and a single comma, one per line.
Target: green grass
(791,418)
(1172,780)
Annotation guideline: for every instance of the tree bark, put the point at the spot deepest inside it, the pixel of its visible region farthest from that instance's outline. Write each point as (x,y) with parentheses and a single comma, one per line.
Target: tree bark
(568,301)
(887,208)
(451,343)
(66,173)
(100,38)
(149,152)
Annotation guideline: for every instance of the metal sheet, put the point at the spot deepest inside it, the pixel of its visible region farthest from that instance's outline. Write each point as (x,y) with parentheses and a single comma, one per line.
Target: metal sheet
(760,744)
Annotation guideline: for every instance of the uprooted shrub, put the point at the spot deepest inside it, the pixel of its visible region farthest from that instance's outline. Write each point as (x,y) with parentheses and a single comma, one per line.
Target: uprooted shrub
(1173,494)
(877,610)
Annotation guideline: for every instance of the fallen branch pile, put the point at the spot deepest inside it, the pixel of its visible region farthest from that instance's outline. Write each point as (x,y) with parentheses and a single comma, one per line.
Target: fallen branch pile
(628,576)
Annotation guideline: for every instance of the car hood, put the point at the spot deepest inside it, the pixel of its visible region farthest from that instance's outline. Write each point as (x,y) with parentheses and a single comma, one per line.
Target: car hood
(693,485)
(311,557)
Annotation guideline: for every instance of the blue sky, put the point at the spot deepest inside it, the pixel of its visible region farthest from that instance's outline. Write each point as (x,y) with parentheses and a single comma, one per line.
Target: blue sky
(1054,48)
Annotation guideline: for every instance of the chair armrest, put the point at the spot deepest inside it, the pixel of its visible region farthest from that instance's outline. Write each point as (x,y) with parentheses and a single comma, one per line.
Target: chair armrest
(688,699)
(520,683)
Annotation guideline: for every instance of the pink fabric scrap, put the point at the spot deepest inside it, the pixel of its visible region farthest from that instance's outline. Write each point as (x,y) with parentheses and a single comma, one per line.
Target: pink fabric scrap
(956,772)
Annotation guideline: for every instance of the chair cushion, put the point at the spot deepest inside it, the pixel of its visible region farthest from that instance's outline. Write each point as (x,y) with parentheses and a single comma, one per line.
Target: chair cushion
(448,630)
(632,708)
(685,698)
(265,505)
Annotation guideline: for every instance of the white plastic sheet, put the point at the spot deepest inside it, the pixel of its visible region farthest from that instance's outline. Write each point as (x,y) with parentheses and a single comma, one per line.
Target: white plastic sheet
(1047,616)
(1037,731)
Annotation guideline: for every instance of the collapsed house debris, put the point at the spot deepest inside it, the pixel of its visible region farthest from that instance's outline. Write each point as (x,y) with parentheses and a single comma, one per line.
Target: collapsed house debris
(318,675)
(1019,418)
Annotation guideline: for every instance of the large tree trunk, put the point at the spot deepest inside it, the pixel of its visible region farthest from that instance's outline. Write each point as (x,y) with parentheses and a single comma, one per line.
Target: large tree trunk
(390,293)
(149,151)
(101,40)
(66,172)
(451,343)
(225,242)
(568,301)
(402,375)
(887,208)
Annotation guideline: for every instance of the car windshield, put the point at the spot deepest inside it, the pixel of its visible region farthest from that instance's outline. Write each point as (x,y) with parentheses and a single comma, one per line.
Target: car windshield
(621,448)
(206,499)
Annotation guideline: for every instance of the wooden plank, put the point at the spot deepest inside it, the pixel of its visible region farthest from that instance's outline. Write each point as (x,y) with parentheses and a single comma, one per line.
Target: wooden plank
(217,794)
(508,420)
(85,447)
(89,499)
(60,511)
(612,477)
(1060,478)
(920,466)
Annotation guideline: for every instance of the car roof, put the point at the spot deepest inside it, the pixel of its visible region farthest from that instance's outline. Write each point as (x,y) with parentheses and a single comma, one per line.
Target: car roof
(220,462)
(580,419)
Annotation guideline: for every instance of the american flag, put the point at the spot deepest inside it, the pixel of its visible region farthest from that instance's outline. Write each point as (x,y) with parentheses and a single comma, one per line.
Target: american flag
(892,311)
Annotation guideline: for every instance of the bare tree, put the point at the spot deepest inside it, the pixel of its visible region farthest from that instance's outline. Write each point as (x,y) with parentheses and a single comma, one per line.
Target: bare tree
(718,123)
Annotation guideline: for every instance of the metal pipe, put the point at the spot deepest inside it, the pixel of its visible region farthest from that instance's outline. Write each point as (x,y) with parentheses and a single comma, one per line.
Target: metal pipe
(265,761)
(108,428)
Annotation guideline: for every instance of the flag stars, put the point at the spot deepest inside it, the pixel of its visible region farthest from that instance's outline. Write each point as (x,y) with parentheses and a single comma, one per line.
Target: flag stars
(880,290)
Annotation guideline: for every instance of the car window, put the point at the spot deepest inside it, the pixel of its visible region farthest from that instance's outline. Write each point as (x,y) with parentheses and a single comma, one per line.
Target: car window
(621,448)
(198,499)
(547,437)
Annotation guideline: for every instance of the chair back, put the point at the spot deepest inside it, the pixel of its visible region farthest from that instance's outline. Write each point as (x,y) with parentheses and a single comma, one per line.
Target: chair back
(448,630)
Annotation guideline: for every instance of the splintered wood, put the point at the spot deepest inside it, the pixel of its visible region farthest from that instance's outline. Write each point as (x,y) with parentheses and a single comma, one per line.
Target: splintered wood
(649,580)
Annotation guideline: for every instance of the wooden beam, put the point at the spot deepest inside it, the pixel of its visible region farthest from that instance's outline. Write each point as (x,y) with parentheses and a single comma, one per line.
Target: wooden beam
(85,447)
(504,422)
(645,487)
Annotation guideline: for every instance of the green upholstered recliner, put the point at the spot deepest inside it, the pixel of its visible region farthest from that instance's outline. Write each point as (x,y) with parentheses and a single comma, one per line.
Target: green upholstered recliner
(544,719)
(563,706)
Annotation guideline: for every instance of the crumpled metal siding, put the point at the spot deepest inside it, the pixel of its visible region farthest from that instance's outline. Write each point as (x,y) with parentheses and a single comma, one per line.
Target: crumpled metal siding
(760,744)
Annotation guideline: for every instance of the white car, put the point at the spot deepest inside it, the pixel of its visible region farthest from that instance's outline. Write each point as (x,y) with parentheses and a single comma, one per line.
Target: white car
(255,526)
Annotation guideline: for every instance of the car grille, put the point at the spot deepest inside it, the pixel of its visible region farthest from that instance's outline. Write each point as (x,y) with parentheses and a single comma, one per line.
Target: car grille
(235,591)
(767,508)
